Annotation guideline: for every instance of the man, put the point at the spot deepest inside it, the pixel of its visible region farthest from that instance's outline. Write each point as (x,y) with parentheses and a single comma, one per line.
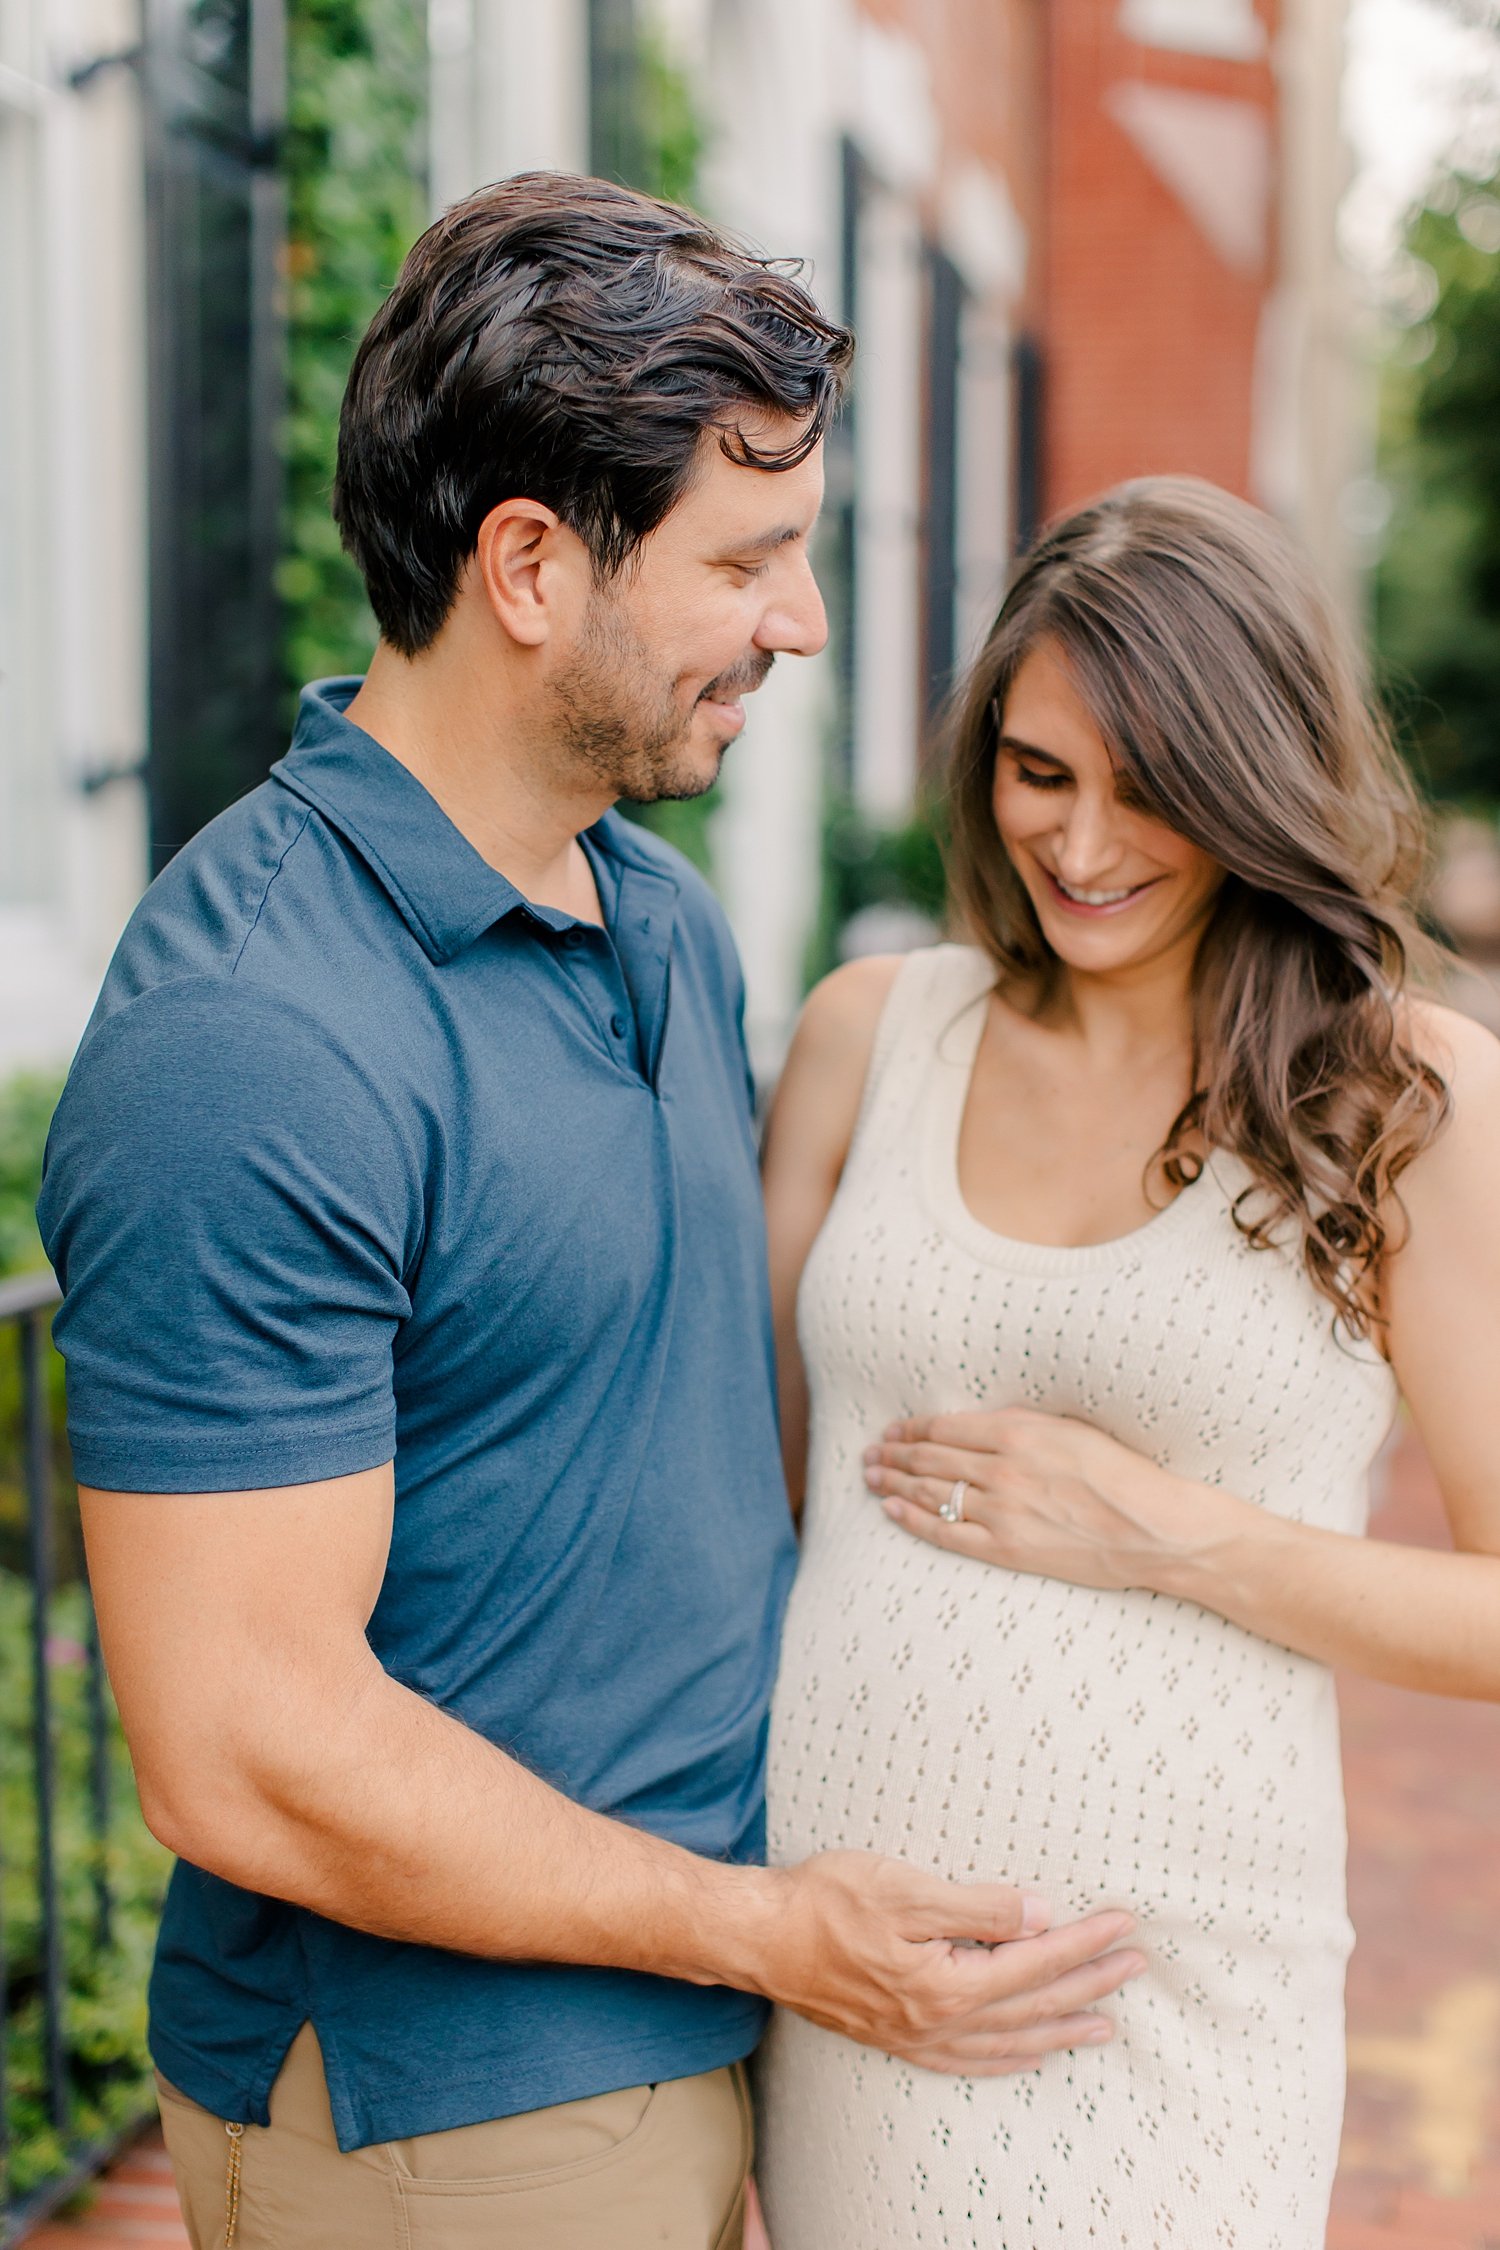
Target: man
(403,1196)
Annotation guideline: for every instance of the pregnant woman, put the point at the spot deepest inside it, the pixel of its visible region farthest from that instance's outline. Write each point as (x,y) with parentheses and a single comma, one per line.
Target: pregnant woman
(1111,1234)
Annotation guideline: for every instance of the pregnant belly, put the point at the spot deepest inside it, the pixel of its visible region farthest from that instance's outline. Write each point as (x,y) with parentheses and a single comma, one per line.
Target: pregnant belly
(1105,1748)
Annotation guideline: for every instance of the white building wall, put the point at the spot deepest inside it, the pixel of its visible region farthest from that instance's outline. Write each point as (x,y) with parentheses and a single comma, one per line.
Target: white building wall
(983,235)
(72,516)
(769,73)
(985,448)
(508,91)
(892,122)
(1313,437)
(888,505)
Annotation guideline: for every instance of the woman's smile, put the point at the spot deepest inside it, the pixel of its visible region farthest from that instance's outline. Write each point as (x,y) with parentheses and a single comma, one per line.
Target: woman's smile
(1096,900)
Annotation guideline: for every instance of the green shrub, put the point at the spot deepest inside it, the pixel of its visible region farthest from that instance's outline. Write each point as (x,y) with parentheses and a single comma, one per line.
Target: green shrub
(868,865)
(26,1106)
(104,2007)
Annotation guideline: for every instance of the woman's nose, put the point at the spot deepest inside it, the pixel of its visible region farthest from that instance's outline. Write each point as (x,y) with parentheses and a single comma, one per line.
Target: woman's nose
(1090,845)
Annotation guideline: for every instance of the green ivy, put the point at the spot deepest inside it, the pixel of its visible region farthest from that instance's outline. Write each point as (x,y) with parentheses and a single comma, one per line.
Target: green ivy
(26,1105)
(356,170)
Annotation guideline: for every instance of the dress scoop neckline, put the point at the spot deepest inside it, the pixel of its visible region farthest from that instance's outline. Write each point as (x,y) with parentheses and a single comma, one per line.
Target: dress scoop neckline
(955,1051)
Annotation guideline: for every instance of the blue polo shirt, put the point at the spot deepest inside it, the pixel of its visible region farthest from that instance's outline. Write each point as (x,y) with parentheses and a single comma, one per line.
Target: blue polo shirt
(363,1157)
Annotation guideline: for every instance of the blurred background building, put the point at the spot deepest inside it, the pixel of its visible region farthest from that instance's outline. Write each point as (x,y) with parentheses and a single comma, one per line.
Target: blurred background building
(73,610)
(1080,240)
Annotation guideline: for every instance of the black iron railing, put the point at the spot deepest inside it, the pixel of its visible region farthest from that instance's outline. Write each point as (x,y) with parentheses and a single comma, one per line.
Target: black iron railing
(35,1975)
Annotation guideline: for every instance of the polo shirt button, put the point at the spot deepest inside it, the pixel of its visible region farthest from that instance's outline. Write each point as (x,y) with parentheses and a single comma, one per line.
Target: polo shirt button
(617,1025)
(573,936)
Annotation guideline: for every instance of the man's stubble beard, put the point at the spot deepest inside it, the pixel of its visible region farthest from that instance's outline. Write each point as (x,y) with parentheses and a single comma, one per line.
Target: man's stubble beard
(623,725)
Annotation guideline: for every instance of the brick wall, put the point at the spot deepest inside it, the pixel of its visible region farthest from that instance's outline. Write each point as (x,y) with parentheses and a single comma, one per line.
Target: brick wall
(1150,325)
(987,60)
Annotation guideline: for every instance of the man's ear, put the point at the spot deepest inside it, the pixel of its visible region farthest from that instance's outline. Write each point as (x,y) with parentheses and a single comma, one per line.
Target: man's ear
(528,562)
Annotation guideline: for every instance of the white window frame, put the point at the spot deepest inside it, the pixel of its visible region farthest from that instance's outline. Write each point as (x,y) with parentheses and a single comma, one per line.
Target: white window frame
(1230,29)
(27,843)
(888,434)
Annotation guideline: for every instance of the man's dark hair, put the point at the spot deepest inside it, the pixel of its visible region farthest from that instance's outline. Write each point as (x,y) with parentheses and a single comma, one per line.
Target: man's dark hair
(568,341)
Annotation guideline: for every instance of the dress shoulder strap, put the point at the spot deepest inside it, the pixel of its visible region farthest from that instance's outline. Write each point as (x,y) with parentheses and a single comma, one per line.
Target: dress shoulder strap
(934,988)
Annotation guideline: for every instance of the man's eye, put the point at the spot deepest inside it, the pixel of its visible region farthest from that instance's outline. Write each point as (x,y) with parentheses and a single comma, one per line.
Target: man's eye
(749,570)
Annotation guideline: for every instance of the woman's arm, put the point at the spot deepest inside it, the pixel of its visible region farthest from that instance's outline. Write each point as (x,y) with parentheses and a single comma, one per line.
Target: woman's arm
(807,1139)
(1056,1497)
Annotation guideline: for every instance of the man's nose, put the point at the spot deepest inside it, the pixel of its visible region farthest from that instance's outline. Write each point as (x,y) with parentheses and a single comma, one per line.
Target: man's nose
(796,623)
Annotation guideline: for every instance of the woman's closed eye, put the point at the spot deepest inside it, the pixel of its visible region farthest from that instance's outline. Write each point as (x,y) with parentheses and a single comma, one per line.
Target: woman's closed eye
(1043,777)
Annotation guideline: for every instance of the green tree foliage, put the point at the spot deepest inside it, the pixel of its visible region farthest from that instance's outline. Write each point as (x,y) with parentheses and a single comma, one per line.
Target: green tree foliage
(356,169)
(26,1106)
(1437,587)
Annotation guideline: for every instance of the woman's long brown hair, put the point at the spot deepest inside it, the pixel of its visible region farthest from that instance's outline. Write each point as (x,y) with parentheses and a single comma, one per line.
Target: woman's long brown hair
(1235,711)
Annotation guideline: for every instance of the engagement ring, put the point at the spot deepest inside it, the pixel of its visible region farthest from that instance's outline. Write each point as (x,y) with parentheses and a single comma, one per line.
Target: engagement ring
(952,1509)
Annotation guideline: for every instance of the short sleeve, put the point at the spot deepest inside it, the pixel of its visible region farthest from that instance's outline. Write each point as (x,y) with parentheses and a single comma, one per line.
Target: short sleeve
(232,1207)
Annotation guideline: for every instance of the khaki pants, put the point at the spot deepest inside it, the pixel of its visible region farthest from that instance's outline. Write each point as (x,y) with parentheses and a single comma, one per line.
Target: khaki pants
(663,2166)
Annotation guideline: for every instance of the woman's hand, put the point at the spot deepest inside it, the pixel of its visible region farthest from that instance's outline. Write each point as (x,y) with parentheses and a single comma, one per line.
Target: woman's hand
(1049,1495)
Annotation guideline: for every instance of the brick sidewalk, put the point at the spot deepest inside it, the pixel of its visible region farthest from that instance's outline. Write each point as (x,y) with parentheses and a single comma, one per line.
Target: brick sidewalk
(1421,2164)
(135,2209)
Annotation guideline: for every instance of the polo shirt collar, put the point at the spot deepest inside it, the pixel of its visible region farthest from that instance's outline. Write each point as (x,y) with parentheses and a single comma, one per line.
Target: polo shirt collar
(447,894)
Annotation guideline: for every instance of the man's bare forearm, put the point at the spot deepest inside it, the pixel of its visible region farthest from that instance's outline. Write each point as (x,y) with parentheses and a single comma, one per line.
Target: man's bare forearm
(370,1806)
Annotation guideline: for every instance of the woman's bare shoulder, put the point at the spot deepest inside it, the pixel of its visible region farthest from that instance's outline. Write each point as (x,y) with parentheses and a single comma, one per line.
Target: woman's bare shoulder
(846,1006)
(1441,1286)
(1464,1053)
(1457,1165)
(817,1102)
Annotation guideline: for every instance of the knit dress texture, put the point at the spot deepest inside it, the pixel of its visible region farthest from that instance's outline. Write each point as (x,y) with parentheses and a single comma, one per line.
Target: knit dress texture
(1105,1749)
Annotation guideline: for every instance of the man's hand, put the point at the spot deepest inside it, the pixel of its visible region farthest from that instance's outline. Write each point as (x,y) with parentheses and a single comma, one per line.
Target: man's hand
(961,1977)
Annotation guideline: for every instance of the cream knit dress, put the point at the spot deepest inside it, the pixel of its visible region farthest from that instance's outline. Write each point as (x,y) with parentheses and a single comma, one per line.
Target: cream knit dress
(1104,1748)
